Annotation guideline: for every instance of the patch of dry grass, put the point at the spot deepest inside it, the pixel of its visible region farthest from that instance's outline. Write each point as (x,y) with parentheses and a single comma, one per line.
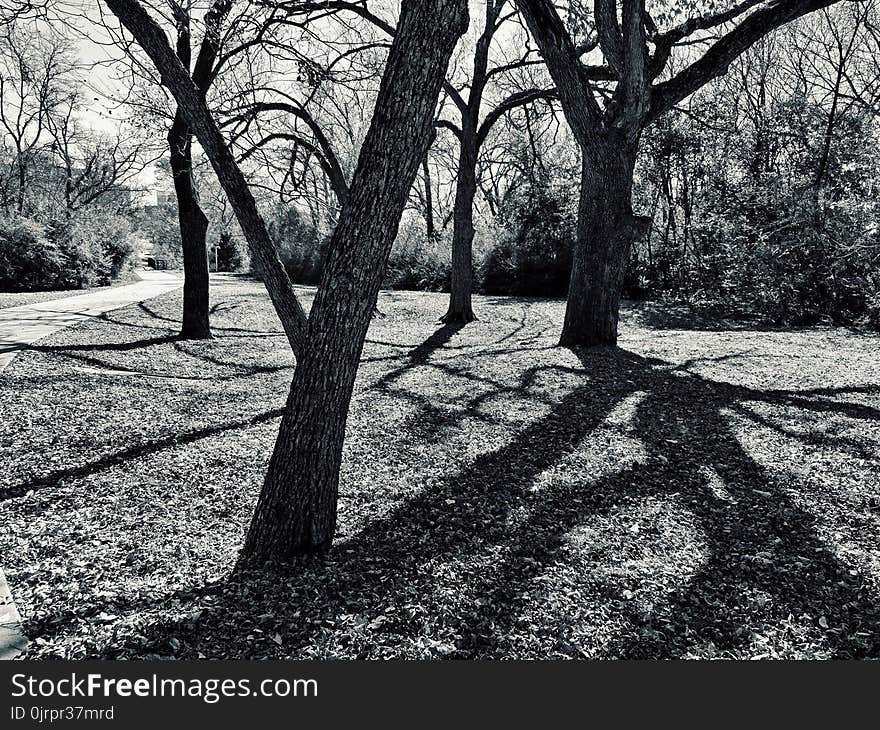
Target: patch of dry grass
(707,493)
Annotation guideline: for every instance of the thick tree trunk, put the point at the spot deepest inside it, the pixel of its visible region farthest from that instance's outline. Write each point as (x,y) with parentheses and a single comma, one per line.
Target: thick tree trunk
(607,228)
(296,512)
(193,234)
(462,280)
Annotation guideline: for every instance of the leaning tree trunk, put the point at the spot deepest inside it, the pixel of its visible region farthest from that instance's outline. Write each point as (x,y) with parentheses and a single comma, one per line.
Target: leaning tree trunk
(606,230)
(462,280)
(193,235)
(296,512)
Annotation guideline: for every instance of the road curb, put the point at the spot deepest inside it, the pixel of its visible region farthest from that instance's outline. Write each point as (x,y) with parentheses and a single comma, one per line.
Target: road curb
(12,640)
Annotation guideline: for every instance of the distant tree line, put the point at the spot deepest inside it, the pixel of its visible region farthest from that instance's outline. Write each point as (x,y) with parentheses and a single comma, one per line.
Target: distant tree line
(760,192)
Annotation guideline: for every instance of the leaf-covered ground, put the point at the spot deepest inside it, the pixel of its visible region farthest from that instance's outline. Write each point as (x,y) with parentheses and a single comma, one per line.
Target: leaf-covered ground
(706,492)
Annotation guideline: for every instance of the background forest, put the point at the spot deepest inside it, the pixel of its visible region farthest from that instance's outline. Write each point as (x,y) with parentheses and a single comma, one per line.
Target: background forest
(761,188)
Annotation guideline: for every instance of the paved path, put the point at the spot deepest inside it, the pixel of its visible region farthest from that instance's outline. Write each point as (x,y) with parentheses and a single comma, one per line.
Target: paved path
(20,327)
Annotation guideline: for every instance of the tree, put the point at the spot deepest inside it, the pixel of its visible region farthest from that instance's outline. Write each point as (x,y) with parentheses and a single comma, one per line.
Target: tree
(34,80)
(473,128)
(191,218)
(609,104)
(224,35)
(94,167)
(50,157)
(296,511)
(475,124)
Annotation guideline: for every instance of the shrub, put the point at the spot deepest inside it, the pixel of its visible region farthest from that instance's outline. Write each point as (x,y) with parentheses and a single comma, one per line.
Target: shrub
(86,251)
(417,262)
(533,257)
(29,260)
(96,247)
(231,252)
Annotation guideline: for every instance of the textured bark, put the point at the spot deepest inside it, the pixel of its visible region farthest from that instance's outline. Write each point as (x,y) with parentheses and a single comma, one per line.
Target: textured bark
(193,234)
(462,280)
(296,512)
(607,228)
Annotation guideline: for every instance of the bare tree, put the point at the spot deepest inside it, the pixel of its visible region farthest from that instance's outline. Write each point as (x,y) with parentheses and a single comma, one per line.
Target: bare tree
(94,166)
(34,81)
(475,124)
(607,119)
(296,512)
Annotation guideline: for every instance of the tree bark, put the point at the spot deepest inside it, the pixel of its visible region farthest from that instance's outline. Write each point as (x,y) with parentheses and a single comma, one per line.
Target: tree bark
(296,512)
(606,230)
(430,230)
(193,235)
(462,279)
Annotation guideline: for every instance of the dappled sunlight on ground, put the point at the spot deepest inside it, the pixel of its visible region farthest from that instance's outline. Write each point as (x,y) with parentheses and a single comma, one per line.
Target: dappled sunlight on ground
(709,492)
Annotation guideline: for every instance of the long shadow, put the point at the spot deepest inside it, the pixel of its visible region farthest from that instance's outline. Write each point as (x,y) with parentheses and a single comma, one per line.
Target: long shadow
(149,311)
(756,538)
(102,347)
(53,479)
(389,554)
(759,544)
(419,355)
(73,352)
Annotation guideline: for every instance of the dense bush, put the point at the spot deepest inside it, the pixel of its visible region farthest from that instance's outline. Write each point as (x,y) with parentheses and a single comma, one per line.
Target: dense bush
(871,317)
(417,262)
(782,268)
(29,260)
(97,248)
(414,262)
(85,251)
(769,222)
(532,257)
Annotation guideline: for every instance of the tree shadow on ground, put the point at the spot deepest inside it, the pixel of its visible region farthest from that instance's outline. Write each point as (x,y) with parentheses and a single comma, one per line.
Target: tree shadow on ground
(501,532)
(75,352)
(54,478)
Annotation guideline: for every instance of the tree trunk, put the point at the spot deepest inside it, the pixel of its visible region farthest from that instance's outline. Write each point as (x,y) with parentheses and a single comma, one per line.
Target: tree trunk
(462,281)
(430,230)
(607,228)
(296,512)
(193,234)
(22,185)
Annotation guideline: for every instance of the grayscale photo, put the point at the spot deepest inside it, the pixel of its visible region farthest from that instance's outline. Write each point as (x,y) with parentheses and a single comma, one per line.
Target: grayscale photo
(433,330)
